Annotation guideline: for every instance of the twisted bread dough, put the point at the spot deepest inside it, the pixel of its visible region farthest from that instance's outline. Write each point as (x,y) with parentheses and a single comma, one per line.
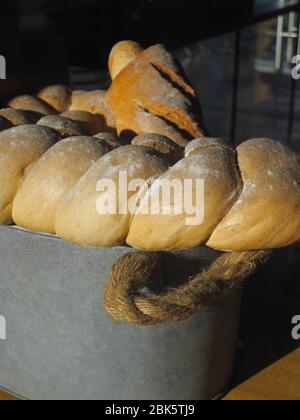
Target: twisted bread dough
(267,213)
(78,218)
(251,196)
(49,181)
(20,148)
(259,210)
(216,166)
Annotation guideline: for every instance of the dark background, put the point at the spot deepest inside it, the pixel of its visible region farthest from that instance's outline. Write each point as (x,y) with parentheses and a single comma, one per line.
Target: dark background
(82,32)
(63,41)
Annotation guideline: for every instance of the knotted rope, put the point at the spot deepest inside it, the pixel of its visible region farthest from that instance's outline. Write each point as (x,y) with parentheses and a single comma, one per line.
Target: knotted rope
(125,300)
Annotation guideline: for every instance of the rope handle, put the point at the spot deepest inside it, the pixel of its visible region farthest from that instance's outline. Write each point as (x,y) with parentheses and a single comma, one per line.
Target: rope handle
(125,301)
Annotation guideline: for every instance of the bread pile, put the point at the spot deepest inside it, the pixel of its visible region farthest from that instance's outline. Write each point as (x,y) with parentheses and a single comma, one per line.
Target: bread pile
(57,146)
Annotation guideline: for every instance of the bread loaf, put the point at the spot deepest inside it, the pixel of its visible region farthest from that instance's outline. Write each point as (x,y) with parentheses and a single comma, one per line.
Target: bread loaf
(92,122)
(95,103)
(30,103)
(36,203)
(19,117)
(5,124)
(168,148)
(79,219)
(267,214)
(165,229)
(58,97)
(152,95)
(20,148)
(197,146)
(112,140)
(67,128)
(259,210)
(121,55)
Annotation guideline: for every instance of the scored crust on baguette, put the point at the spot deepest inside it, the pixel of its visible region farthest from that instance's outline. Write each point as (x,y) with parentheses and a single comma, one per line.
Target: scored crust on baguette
(152,95)
(20,149)
(49,181)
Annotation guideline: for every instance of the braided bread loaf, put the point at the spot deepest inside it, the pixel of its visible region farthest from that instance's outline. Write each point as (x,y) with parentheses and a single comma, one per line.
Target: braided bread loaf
(251,200)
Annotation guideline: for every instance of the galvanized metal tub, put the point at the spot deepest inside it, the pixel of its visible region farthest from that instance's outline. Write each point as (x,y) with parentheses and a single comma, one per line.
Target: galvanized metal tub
(61,344)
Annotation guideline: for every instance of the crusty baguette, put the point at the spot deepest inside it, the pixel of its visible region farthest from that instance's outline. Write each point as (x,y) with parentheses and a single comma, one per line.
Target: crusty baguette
(121,55)
(152,95)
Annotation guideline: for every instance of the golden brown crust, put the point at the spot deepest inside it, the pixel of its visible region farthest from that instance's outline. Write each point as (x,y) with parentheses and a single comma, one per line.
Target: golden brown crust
(49,181)
(31,103)
(267,214)
(95,103)
(166,229)
(152,95)
(78,219)
(57,96)
(20,148)
(121,55)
